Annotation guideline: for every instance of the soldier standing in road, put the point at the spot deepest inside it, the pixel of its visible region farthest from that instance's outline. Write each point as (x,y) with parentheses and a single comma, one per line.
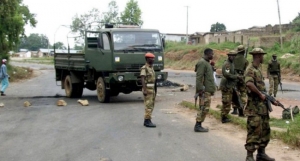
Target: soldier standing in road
(228,82)
(148,83)
(240,65)
(204,85)
(273,75)
(258,128)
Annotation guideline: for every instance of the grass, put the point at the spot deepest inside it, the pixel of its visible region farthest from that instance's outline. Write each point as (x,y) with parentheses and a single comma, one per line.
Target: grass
(290,133)
(18,73)
(43,60)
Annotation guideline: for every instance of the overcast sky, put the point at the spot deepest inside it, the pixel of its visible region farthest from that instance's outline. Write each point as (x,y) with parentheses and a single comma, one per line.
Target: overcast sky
(168,16)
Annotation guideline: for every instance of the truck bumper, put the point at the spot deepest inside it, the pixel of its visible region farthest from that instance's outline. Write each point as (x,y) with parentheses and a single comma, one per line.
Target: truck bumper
(133,76)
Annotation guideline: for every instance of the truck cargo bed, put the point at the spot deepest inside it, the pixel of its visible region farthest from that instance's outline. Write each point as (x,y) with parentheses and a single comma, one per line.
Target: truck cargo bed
(73,61)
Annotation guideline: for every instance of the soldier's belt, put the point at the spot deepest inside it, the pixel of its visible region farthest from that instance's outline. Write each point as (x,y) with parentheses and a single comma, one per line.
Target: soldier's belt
(150,85)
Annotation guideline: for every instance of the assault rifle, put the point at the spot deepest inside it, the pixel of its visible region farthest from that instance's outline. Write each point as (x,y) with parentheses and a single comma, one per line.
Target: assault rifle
(269,100)
(279,80)
(237,99)
(202,99)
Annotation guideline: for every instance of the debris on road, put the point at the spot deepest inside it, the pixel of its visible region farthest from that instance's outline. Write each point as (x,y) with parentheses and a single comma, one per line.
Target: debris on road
(1,104)
(26,104)
(83,102)
(61,103)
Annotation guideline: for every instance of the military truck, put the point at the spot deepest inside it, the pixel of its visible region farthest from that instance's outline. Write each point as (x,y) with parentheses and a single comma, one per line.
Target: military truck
(110,62)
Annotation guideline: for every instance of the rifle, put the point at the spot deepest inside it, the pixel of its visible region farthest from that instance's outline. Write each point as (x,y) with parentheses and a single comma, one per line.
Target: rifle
(269,100)
(279,80)
(246,50)
(202,98)
(237,99)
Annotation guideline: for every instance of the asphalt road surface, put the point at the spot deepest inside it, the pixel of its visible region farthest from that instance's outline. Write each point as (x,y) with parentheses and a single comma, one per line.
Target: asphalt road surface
(45,132)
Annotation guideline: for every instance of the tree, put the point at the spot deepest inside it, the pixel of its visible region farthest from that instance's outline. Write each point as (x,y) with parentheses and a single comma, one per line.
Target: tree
(87,21)
(59,45)
(112,15)
(217,27)
(132,14)
(14,15)
(78,47)
(34,42)
(296,23)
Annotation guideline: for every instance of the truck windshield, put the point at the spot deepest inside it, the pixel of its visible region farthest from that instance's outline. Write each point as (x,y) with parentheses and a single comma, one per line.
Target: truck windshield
(136,41)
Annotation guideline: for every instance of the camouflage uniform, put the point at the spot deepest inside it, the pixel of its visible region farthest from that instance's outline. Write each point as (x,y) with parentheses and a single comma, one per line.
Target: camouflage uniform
(204,77)
(273,74)
(240,65)
(227,84)
(258,128)
(149,99)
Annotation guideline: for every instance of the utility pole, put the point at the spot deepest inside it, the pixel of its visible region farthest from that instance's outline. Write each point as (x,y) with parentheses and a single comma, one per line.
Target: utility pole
(187,23)
(279,24)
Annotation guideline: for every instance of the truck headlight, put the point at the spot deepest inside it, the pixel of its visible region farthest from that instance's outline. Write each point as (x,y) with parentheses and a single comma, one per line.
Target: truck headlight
(159,58)
(120,78)
(159,76)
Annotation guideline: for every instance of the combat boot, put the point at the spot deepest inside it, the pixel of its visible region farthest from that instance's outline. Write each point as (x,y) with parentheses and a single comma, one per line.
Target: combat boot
(249,156)
(234,112)
(148,123)
(262,156)
(198,128)
(241,113)
(274,95)
(225,119)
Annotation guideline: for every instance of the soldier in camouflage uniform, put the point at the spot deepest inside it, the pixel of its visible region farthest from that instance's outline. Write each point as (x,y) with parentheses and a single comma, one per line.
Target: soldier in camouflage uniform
(204,85)
(240,65)
(258,128)
(273,75)
(227,84)
(148,83)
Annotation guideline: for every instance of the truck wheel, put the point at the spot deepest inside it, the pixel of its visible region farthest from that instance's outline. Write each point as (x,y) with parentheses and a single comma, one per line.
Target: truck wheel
(73,90)
(102,93)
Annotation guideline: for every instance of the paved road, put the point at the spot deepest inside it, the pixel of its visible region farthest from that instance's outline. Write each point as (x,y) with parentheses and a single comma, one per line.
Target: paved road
(45,132)
(291,90)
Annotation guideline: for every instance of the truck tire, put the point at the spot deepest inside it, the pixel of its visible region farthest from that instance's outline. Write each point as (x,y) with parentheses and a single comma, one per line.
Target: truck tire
(102,93)
(73,90)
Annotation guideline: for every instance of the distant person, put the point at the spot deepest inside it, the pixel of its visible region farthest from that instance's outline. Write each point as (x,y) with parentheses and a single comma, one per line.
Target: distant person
(204,85)
(4,77)
(240,65)
(149,88)
(274,75)
(258,126)
(228,82)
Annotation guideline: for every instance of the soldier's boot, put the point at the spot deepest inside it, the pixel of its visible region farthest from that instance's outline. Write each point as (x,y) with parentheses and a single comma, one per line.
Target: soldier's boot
(241,113)
(234,112)
(249,156)
(225,119)
(274,94)
(198,128)
(262,156)
(148,123)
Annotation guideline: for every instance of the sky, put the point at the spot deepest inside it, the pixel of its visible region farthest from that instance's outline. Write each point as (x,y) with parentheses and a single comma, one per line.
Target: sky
(168,16)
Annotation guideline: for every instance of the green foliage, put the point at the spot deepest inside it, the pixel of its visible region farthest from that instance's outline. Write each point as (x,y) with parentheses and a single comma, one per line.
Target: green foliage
(217,27)
(34,42)
(14,15)
(18,73)
(296,23)
(78,47)
(112,15)
(132,14)
(59,45)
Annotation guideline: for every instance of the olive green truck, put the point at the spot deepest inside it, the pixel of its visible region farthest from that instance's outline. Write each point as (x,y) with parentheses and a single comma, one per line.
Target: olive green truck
(110,62)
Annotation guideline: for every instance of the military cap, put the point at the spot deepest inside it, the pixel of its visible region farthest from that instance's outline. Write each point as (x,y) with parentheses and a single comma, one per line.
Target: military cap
(232,53)
(240,48)
(257,51)
(274,55)
(149,55)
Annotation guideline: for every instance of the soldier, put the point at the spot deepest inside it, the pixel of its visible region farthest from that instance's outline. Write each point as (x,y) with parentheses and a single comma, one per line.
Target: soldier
(258,128)
(228,81)
(148,83)
(240,65)
(273,75)
(204,85)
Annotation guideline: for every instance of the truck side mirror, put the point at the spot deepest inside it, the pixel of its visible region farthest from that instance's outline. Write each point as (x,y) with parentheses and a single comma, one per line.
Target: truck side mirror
(99,41)
(163,42)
